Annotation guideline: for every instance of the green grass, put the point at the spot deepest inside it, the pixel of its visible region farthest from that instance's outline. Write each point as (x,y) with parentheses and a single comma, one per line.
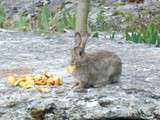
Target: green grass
(118,12)
(117,4)
(70,20)
(43,19)
(149,35)
(100,24)
(2,16)
(139,29)
(112,35)
(60,23)
(95,34)
(47,22)
(22,23)
(67,21)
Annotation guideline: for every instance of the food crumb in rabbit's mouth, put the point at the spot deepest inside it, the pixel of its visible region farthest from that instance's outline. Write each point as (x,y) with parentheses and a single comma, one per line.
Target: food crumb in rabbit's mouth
(71,68)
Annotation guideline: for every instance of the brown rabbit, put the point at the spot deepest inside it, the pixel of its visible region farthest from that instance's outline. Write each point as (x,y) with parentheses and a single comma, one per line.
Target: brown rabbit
(95,69)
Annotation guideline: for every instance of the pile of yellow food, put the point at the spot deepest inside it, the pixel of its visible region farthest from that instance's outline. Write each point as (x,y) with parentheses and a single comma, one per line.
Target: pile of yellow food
(30,80)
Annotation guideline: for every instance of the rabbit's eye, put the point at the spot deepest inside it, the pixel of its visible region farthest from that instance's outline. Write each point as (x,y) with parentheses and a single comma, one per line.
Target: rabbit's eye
(80,53)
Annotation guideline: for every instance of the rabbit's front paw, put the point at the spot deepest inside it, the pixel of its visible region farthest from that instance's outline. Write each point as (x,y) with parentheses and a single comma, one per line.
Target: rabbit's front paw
(74,85)
(77,88)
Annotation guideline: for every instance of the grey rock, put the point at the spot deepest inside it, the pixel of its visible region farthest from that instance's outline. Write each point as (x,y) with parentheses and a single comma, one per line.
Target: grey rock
(137,95)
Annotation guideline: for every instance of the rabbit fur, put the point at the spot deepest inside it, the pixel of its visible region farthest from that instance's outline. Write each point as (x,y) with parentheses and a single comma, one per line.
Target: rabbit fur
(93,69)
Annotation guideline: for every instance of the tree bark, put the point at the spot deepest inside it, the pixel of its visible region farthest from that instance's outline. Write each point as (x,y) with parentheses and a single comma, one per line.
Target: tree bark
(82,16)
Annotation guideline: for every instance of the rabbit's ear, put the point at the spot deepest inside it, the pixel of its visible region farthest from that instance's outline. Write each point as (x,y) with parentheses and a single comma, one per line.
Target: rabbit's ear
(78,39)
(85,38)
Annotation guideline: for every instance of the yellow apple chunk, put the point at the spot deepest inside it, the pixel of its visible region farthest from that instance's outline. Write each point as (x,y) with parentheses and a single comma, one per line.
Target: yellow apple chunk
(71,68)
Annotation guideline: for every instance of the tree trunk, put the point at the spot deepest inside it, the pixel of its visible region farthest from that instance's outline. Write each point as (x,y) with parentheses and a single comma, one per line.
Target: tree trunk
(82,16)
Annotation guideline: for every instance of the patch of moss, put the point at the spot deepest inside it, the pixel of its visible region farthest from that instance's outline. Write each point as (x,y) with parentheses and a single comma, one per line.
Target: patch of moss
(117,4)
(118,12)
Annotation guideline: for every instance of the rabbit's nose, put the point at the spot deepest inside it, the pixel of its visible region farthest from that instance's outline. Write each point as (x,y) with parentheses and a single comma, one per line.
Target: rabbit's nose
(72,62)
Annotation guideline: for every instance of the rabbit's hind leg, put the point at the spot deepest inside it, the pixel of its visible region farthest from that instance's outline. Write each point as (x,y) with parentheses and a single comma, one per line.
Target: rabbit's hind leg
(114,78)
(101,82)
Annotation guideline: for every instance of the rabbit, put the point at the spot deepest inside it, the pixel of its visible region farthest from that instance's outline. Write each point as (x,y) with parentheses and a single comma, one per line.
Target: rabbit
(93,69)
